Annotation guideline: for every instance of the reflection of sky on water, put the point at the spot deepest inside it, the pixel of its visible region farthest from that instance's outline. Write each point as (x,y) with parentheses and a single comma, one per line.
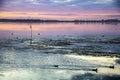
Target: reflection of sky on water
(22,29)
(26,64)
(18,65)
(88,76)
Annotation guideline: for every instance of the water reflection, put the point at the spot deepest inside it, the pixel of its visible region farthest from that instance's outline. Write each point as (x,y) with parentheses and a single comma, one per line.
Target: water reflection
(89,76)
(53,29)
(20,60)
(16,65)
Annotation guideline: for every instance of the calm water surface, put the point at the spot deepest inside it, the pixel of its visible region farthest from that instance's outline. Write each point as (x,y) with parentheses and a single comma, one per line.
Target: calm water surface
(55,29)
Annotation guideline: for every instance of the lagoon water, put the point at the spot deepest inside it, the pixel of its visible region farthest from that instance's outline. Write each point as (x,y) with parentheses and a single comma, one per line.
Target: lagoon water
(54,29)
(59,51)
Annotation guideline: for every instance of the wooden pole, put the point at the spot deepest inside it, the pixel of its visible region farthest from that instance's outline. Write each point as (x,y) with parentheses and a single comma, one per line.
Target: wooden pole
(31,34)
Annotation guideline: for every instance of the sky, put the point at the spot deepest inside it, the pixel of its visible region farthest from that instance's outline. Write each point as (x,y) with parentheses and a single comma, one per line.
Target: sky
(60,9)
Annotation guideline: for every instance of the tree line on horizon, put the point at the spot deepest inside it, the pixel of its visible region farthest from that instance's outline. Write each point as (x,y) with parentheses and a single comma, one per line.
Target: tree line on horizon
(40,20)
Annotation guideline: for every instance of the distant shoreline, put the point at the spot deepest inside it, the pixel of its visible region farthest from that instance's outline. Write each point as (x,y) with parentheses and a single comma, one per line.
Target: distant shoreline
(81,21)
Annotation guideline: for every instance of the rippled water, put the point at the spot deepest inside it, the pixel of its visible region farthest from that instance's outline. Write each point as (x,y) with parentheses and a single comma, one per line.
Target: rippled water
(59,51)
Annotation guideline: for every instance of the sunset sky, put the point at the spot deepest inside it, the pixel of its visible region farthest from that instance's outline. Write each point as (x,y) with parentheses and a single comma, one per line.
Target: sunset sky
(60,9)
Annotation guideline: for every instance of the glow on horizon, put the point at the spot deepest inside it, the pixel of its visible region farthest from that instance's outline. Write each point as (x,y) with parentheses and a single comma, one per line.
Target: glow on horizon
(60,9)
(59,16)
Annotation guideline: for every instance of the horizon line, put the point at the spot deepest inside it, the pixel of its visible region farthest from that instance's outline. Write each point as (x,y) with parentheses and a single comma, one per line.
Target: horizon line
(55,20)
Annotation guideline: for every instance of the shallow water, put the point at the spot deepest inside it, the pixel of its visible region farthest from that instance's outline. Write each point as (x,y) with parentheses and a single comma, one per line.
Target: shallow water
(59,51)
(58,29)
(39,66)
